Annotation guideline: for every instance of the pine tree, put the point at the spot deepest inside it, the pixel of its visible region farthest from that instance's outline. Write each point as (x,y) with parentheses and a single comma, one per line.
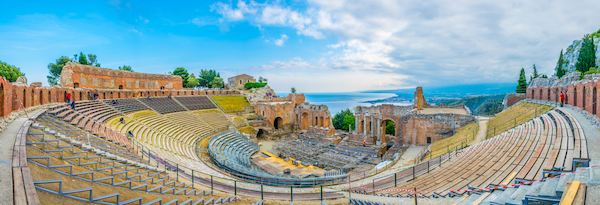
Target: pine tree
(522,83)
(560,71)
(587,55)
(535,74)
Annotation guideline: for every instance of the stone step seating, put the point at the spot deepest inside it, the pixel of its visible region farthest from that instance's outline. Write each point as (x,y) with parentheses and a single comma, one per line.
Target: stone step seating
(127,105)
(364,202)
(81,165)
(551,191)
(168,127)
(191,122)
(162,105)
(196,102)
(67,130)
(580,149)
(231,151)
(214,118)
(314,152)
(518,159)
(90,115)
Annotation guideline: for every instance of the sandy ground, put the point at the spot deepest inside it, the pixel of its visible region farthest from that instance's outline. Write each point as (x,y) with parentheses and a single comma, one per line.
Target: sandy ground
(483,122)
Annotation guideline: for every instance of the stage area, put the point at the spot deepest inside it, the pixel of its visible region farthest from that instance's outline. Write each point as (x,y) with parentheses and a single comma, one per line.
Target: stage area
(276,165)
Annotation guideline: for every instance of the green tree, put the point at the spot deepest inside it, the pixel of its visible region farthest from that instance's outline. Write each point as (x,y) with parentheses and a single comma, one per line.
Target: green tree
(93,60)
(338,119)
(82,59)
(180,71)
(192,81)
(535,74)
(349,120)
(206,77)
(522,86)
(260,79)
(55,70)
(390,128)
(560,71)
(10,72)
(293,90)
(126,68)
(217,82)
(587,55)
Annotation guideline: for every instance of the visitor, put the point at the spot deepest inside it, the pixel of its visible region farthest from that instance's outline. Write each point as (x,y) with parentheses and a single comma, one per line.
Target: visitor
(122,120)
(364,143)
(73,104)
(117,102)
(148,97)
(130,133)
(68,97)
(562,98)
(113,102)
(169,96)
(95,96)
(381,156)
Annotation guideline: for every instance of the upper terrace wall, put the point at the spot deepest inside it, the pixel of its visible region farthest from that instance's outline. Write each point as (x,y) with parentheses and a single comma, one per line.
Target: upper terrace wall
(579,93)
(16,96)
(75,75)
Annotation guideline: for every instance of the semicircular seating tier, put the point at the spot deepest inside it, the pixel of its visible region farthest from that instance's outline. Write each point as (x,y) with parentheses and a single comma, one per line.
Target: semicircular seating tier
(552,143)
(231,151)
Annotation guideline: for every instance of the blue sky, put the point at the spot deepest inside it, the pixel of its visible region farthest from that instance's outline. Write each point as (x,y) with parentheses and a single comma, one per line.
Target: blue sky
(315,46)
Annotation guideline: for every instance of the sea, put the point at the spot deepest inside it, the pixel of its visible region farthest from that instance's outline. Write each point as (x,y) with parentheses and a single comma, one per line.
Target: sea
(341,101)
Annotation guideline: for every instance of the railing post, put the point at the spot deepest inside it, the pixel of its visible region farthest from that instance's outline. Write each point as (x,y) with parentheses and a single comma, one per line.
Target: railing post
(395,179)
(211,182)
(292,193)
(192,178)
(235,188)
(414,172)
(428,167)
(321,192)
(177,172)
(261,192)
(373,186)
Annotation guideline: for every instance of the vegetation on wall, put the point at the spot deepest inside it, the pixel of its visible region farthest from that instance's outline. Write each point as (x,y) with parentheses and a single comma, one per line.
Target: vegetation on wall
(126,68)
(10,72)
(254,85)
(342,119)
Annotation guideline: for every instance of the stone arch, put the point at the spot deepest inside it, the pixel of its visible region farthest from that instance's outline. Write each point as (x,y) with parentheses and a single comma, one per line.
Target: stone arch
(278,123)
(384,123)
(261,133)
(304,124)
(321,121)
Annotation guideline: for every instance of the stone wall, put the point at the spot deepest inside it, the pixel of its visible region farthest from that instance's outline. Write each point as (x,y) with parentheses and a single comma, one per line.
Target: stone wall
(582,94)
(416,128)
(511,99)
(17,96)
(297,114)
(75,75)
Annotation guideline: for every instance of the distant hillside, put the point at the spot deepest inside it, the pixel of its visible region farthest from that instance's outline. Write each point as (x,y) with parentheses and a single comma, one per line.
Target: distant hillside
(479,105)
(456,91)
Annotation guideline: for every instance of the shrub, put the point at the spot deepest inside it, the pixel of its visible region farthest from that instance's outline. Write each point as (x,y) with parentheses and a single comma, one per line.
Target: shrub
(254,85)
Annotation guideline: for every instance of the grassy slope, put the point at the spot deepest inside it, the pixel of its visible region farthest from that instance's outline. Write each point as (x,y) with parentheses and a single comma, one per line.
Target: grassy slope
(522,112)
(232,103)
(441,147)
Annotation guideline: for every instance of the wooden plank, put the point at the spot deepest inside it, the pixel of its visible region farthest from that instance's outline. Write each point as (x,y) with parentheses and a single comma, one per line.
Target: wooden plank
(584,150)
(15,157)
(580,196)
(20,197)
(577,149)
(569,161)
(510,178)
(569,196)
(32,197)
(22,156)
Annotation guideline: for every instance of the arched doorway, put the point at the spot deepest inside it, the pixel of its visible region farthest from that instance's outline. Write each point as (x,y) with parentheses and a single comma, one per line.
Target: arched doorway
(120,87)
(50,97)
(389,126)
(428,140)
(261,134)
(321,122)
(41,97)
(278,123)
(575,96)
(304,121)
(594,95)
(24,102)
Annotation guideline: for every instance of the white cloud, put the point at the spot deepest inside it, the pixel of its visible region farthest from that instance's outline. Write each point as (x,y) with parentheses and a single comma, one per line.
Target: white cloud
(436,42)
(282,40)
(231,14)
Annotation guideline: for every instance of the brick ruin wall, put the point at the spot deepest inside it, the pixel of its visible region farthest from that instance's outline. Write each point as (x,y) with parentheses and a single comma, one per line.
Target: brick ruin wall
(17,96)
(297,114)
(579,93)
(416,128)
(511,99)
(75,75)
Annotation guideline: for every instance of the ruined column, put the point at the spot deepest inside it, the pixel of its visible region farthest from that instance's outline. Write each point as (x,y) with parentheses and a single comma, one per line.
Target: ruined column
(365,125)
(356,123)
(372,125)
(378,130)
